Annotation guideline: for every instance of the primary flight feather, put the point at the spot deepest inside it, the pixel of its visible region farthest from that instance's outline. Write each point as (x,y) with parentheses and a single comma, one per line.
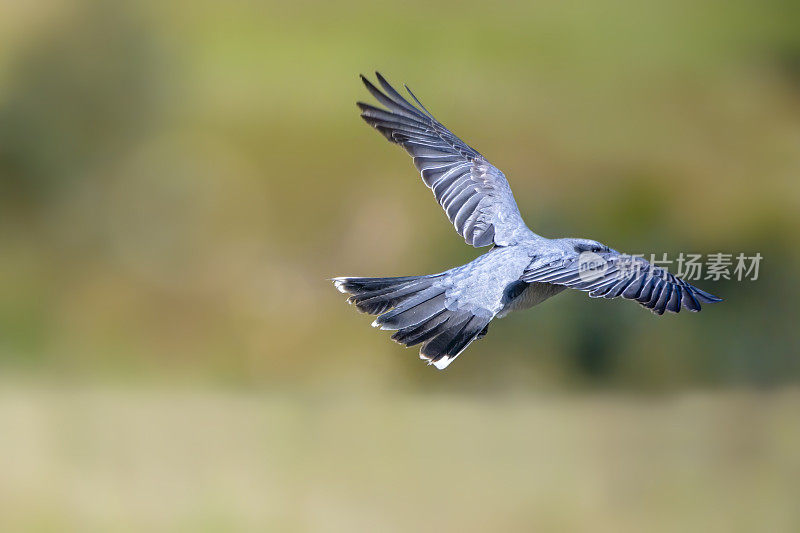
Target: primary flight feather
(445,312)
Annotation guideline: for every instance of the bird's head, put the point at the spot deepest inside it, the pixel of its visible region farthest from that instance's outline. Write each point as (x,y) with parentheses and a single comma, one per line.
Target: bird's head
(583,245)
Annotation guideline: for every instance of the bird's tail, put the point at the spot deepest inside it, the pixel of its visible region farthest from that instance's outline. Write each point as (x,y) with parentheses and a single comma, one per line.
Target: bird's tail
(415,307)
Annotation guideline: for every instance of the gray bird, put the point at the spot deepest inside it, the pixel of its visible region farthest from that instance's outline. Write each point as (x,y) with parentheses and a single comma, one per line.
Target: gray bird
(445,312)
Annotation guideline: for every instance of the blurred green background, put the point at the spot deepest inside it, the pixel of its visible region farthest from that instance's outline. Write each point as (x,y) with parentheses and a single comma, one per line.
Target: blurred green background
(179,179)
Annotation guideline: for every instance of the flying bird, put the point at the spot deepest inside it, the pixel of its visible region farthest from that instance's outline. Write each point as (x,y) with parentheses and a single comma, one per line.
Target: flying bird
(445,312)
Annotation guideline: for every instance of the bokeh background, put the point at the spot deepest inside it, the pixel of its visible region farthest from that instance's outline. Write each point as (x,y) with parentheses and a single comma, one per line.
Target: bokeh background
(179,179)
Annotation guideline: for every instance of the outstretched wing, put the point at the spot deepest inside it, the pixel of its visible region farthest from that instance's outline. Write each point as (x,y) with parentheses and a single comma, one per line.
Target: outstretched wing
(474,194)
(611,274)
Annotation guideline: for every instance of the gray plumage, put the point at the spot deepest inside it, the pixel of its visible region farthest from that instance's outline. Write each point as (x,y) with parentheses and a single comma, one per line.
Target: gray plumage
(446,312)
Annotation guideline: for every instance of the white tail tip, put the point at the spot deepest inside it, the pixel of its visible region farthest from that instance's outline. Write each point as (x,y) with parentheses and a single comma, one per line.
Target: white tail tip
(441,364)
(339,284)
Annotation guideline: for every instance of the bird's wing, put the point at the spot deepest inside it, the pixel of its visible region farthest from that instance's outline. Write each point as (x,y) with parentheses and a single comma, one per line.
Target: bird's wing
(611,274)
(474,194)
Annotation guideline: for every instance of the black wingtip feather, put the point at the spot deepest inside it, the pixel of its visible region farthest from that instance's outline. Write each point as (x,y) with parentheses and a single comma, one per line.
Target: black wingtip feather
(706,297)
(417,101)
(393,94)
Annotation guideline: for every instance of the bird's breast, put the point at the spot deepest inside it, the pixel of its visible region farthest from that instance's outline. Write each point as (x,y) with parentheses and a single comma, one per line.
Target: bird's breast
(520,295)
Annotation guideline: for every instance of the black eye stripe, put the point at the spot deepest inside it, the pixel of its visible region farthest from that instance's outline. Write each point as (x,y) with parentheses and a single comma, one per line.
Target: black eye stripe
(590,248)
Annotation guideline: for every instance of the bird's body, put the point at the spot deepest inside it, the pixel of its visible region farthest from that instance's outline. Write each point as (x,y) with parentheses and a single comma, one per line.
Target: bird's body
(445,312)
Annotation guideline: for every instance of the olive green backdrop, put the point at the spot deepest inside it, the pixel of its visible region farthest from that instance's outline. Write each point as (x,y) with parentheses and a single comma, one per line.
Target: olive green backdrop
(179,179)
